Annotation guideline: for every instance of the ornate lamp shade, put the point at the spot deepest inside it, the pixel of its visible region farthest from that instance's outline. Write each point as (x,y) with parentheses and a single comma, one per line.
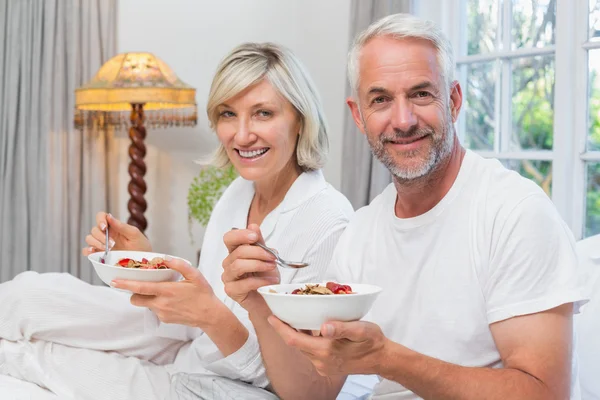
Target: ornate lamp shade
(137,88)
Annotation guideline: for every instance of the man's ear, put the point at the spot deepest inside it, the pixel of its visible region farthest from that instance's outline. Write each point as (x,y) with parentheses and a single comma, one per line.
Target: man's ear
(353,105)
(456,98)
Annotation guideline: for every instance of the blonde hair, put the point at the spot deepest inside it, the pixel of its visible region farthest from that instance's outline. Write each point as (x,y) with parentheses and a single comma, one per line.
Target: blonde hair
(401,26)
(250,63)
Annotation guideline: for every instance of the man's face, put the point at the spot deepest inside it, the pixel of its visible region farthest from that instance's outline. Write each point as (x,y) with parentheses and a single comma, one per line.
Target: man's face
(403,106)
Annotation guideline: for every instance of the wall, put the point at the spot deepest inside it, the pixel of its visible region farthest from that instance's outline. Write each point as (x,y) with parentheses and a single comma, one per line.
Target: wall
(192,36)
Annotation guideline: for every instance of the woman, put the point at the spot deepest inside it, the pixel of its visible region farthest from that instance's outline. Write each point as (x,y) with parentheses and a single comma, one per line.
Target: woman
(88,342)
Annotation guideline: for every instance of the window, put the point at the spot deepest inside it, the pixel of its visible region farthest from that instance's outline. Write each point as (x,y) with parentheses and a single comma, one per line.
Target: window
(530,72)
(591,153)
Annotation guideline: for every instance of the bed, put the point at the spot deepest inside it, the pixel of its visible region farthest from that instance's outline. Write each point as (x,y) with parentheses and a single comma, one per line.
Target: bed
(357,387)
(15,389)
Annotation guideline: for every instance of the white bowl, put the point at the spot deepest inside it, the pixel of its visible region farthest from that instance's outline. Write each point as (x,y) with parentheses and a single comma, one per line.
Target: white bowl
(109,271)
(311,311)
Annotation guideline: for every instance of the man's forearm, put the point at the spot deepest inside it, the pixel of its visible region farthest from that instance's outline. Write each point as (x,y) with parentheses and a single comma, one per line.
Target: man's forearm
(431,378)
(291,374)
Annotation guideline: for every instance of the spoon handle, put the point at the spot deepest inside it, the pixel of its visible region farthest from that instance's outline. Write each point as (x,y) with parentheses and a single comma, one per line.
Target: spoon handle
(270,251)
(104,257)
(278,260)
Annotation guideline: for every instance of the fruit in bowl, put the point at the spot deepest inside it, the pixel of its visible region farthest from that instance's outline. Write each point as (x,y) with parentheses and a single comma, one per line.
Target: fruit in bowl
(134,266)
(310,305)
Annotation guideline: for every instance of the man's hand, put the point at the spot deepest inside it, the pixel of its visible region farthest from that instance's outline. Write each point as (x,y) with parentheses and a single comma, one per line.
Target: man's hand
(344,347)
(247,267)
(189,302)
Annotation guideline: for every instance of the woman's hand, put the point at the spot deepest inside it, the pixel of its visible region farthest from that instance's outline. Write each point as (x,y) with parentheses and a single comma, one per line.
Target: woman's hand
(121,236)
(247,267)
(190,301)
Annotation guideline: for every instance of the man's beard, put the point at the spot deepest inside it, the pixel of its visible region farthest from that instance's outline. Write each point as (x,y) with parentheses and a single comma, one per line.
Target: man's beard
(441,147)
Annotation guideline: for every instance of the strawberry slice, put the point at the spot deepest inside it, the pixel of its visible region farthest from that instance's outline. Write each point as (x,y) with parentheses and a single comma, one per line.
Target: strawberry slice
(347,289)
(337,288)
(124,261)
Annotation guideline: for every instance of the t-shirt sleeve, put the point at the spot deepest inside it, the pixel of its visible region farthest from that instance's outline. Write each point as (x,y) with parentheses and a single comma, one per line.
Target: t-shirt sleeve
(533,264)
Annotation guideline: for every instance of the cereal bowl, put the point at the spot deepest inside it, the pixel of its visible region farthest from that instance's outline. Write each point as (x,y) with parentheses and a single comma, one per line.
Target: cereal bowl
(311,311)
(108,271)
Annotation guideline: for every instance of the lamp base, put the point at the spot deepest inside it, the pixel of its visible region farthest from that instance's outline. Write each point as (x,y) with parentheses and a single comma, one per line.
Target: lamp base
(137,169)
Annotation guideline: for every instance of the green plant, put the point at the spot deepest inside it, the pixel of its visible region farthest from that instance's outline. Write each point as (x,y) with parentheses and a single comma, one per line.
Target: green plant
(205,190)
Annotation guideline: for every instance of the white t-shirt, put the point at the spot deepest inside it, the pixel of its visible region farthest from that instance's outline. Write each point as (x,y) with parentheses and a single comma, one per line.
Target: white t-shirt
(493,248)
(306,226)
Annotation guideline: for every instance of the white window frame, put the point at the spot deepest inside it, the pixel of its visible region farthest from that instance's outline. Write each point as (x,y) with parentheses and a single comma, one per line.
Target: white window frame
(569,153)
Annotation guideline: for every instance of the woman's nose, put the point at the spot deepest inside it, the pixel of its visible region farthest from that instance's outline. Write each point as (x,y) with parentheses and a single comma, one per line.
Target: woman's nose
(244,134)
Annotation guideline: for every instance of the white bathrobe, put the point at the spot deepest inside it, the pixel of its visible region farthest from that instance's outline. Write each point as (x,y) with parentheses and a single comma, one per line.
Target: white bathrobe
(88,342)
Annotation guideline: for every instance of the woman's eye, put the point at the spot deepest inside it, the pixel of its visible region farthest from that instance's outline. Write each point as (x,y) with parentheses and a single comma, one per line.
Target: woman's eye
(227,114)
(264,113)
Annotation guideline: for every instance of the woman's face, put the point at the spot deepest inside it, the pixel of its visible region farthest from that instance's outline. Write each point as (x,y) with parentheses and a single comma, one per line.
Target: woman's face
(259,129)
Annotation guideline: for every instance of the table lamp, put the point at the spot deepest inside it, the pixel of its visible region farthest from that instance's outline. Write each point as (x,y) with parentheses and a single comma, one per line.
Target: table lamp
(141,88)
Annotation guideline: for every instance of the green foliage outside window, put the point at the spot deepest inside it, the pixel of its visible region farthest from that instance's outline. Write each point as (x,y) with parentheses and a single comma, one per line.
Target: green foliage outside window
(532,80)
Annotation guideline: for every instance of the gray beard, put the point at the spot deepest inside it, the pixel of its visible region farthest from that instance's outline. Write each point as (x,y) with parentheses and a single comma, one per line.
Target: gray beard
(441,148)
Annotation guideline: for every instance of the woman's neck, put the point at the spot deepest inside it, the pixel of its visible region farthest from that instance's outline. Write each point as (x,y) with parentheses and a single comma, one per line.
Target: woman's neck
(270,192)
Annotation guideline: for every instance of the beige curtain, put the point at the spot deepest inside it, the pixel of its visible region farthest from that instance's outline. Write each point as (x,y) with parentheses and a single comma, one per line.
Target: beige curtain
(53,178)
(363,177)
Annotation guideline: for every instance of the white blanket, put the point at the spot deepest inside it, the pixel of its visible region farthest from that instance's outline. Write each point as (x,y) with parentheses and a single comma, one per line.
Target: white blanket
(87,342)
(15,389)
(90,342)
(358,387)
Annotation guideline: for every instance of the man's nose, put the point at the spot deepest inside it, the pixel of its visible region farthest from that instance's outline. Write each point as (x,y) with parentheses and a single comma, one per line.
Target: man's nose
(403,115)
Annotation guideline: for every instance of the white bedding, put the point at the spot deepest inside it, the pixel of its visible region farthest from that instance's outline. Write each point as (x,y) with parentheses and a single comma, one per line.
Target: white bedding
(357,387)
(15,389)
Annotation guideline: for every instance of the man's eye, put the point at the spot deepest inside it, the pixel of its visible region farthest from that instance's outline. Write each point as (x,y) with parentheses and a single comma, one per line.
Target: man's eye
(379,100)
(422,94)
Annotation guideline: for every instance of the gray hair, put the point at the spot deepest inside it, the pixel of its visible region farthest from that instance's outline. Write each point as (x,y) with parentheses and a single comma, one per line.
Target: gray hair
(250,63)
(402,26)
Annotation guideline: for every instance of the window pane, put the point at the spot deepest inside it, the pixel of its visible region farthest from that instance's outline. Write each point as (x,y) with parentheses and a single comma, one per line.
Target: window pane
(533,23)
(594,21)
(593,142)
(481,106)
(532,103)
(592,207)
(538,171)
(482,25)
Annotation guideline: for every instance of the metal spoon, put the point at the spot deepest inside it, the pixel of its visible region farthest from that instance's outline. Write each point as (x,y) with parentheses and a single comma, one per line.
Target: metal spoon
(106,249)
(280,261)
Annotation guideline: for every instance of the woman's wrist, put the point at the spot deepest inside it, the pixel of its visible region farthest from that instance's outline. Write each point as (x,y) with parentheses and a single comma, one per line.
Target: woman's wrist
(216,316)
(225,330)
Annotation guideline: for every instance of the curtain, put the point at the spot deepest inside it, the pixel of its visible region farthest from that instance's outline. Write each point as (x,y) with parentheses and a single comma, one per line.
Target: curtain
(363,176)
(53,179)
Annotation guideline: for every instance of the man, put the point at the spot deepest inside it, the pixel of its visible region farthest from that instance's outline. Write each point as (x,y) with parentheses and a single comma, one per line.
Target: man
(476,266)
